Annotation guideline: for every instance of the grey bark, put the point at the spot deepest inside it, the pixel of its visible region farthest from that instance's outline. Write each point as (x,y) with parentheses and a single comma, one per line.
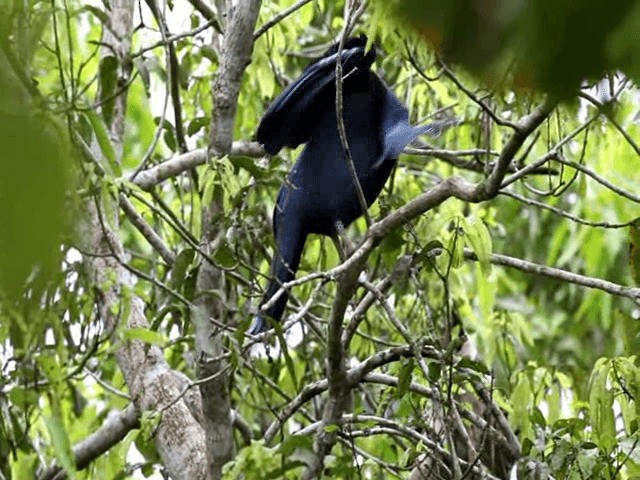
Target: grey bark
(237,46)
(152,385)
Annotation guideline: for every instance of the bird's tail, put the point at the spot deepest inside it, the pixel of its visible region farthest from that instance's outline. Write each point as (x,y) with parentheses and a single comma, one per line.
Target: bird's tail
(435,129)
(290,239)
(258,325)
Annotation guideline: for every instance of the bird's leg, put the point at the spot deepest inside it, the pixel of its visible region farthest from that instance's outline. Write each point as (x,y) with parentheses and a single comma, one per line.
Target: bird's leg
(340,240)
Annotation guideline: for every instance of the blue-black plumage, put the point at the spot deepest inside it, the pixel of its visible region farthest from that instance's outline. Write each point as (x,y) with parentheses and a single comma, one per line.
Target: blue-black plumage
(319,195)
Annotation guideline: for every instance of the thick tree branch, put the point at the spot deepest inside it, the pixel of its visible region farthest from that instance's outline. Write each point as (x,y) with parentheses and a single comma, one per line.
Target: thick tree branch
(339,387)
(109,434)
(147,179)
(178,437)
(525,127)
(237,46)
(352,378)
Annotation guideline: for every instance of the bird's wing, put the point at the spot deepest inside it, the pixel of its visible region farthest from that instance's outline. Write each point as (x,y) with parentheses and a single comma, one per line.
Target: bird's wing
(291,117)
(396,130)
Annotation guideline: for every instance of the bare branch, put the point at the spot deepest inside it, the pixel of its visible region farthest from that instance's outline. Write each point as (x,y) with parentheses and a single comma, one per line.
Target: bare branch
(562,213)
(613,121)
(601,180)
(353,377)
(613,288)
(340,121)
(279,17)
(494,116)
(174,38)
(207,12)
(145,229)
(147,179)
(99,442)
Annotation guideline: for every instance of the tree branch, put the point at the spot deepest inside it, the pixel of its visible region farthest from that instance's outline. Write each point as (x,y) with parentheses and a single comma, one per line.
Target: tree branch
(562,275)
(279,17)
(147,232)
(109,434)
(147,179)
(237,46)
(178,437)
(207,12)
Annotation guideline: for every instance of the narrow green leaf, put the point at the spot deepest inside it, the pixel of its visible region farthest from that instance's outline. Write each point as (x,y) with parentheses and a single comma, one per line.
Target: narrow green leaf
(102,137)
(601,405)
(479,238)
(145,335)
(634,250)
(61,444)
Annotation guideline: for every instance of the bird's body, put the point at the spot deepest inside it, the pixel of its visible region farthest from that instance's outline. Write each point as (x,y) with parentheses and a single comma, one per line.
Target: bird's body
(328,195)
(319,195)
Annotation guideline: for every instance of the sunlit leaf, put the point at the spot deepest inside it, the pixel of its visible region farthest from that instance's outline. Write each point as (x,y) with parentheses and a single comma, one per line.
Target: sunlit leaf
(61,444)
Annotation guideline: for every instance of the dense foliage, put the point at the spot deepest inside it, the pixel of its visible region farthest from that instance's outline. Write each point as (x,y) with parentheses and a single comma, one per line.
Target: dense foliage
(485,330)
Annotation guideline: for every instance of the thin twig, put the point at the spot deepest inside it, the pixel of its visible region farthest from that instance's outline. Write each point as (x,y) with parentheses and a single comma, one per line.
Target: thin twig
(278,18)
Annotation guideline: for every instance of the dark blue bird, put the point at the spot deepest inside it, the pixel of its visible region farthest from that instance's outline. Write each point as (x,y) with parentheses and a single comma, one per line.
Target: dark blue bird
(319,195)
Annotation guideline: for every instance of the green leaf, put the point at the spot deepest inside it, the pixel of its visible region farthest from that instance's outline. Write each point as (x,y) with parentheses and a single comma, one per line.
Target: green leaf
(149,421)
(108,71)
(224,256)
(538,418)
(61,444)
(180,265)
(22,397)
(391,247)
(143,71)
(195,125)
(486,286)
(100,15)
(266,85)
(634,250)
(331,428)
(601,405)
(434,370)
(36,198)
(145,335)
(104,142)
(479,238)
(209,182)
(404,377)
(170,138)
(521,398)
(295,442)
(466,362)
(248,164)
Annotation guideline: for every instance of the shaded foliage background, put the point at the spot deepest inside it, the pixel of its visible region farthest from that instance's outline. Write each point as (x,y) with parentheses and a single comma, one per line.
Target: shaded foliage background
(460,353)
